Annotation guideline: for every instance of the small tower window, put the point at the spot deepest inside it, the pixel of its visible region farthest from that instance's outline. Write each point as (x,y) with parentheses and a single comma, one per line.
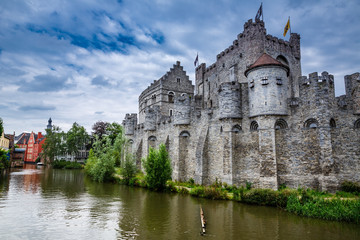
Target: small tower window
(251,84)
(170,112)
(171,97)
(254,126)
(279,81)
(264,81)
(178,80)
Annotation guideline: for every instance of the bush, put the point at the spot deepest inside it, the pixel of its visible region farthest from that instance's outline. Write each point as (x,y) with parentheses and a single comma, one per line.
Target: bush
(63,164)
(158,168)
(328,209)
(266,197)
(351,187)
(128,170)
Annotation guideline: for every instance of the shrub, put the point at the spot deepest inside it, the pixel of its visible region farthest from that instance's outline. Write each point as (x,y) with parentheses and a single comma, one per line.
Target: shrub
(158,168)
(351,187)
(197,191)
(183,190)
(128,170)
(248,185)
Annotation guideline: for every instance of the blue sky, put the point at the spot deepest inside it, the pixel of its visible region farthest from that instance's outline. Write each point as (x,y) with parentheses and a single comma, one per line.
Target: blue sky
(87,60)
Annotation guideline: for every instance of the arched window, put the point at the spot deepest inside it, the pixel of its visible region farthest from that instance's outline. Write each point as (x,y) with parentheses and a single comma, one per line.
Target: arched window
(332,123)
(254,126)
(357,123)
(184,134)
(170,112)
(152,138)
(311,123)
(131,141)
(153,98)
(280,124)
(283,60)
(171,97)
(236,129)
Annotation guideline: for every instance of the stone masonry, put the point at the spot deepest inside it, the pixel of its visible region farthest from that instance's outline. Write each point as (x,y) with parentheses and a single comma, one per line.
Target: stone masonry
(252,117)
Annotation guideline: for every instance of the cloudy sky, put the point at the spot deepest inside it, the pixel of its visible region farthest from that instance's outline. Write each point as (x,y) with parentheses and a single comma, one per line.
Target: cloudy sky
(88,60)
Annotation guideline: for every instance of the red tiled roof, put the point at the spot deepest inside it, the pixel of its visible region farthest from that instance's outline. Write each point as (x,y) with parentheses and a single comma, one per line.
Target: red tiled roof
(265,60)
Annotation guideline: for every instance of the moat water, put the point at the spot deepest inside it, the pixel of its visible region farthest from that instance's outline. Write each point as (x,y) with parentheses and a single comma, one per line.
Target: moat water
(42,203)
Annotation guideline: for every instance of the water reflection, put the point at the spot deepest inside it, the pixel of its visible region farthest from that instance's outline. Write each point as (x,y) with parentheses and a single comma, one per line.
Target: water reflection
(43,203)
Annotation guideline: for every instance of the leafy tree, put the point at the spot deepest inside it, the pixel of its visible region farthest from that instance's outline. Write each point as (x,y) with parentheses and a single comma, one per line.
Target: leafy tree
(158,168)
(54,144)
(76,138)
(99,128)
(4,162)
(128,170)
(1,126)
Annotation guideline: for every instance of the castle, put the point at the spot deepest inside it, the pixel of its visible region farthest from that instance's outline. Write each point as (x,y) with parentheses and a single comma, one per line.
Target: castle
(252,117)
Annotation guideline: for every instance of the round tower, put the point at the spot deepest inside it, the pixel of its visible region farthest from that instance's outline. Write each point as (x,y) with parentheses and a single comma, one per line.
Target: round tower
(268,82)
(182,110)
(229,100)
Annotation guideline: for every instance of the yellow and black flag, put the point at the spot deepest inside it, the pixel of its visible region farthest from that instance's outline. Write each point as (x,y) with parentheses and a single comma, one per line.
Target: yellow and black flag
(287,27)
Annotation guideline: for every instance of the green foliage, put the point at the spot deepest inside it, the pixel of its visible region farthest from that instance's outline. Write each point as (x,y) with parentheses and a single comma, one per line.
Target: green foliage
(183,190)
(191,181)
(209,192)
(62,164)
(54,145)
(351,187)
(329,209)
(76,138)
(248,185)
(100,165)
(4,162)
(1,127)
(158,168)
(128,170)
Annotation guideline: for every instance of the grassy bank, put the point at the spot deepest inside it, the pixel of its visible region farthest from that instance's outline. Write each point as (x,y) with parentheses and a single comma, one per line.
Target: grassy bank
(62,164)
(342,206)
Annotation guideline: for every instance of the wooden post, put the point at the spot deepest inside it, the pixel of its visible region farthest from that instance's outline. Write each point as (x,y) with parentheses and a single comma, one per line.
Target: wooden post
(203,222)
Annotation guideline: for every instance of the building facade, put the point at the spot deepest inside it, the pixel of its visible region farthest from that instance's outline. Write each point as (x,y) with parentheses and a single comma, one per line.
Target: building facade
(252,117)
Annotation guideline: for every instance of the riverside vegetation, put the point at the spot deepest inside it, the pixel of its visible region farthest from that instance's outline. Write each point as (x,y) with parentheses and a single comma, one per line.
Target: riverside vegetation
(110,161)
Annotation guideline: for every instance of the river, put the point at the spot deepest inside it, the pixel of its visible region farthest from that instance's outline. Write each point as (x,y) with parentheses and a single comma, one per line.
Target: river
(44,203)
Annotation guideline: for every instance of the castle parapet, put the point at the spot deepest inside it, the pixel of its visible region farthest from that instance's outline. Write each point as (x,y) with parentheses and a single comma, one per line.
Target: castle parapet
(352,86)
(151,118)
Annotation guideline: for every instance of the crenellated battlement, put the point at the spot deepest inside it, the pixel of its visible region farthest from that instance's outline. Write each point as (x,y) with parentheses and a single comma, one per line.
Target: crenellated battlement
(317,80)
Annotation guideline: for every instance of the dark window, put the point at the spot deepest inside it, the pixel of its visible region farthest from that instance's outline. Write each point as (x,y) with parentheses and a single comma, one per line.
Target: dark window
(357,123)
(281,124)
(264,81)
(185,134)
(332,123)
(254,126)
(236,128)
(279,81)
(311,123)
(171,97)
(178,80)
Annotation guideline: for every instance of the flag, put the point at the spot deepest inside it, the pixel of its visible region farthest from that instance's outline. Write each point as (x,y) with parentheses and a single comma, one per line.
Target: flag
(196,59)
(287,27)
(259,13)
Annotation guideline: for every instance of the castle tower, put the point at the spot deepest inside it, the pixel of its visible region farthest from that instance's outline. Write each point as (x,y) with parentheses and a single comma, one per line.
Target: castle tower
(150,118)
(229,100)
(352,85)
(268,87)
(129,123)
(182,113)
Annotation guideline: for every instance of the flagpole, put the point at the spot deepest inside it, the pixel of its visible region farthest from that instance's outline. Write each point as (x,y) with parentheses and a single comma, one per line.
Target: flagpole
(290,25)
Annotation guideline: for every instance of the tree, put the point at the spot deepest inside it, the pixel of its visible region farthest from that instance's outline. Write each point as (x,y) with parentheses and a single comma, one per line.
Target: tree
(99,128)
(158,168)
(54,144)
(128,169)
(76,138)
(1,127)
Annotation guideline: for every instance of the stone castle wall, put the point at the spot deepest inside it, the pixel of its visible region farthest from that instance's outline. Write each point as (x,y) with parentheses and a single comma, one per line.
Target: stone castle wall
(295,133)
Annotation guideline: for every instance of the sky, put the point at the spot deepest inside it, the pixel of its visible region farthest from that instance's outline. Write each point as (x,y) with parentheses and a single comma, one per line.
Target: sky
(88,60)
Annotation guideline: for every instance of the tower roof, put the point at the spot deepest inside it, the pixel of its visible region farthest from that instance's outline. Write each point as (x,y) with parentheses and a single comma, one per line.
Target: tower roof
(265,60)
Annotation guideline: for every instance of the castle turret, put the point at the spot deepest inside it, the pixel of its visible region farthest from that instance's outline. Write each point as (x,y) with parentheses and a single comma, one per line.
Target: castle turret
(268,87)
(229,100)
(182,110)
(150,118)
(129,123)
(352,85)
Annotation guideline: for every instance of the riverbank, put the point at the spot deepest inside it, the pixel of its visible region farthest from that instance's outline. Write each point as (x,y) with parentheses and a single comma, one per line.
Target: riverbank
(341,206)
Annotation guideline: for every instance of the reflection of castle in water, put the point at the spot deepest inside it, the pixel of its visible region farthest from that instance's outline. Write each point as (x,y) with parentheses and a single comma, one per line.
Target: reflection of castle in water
(251,116)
